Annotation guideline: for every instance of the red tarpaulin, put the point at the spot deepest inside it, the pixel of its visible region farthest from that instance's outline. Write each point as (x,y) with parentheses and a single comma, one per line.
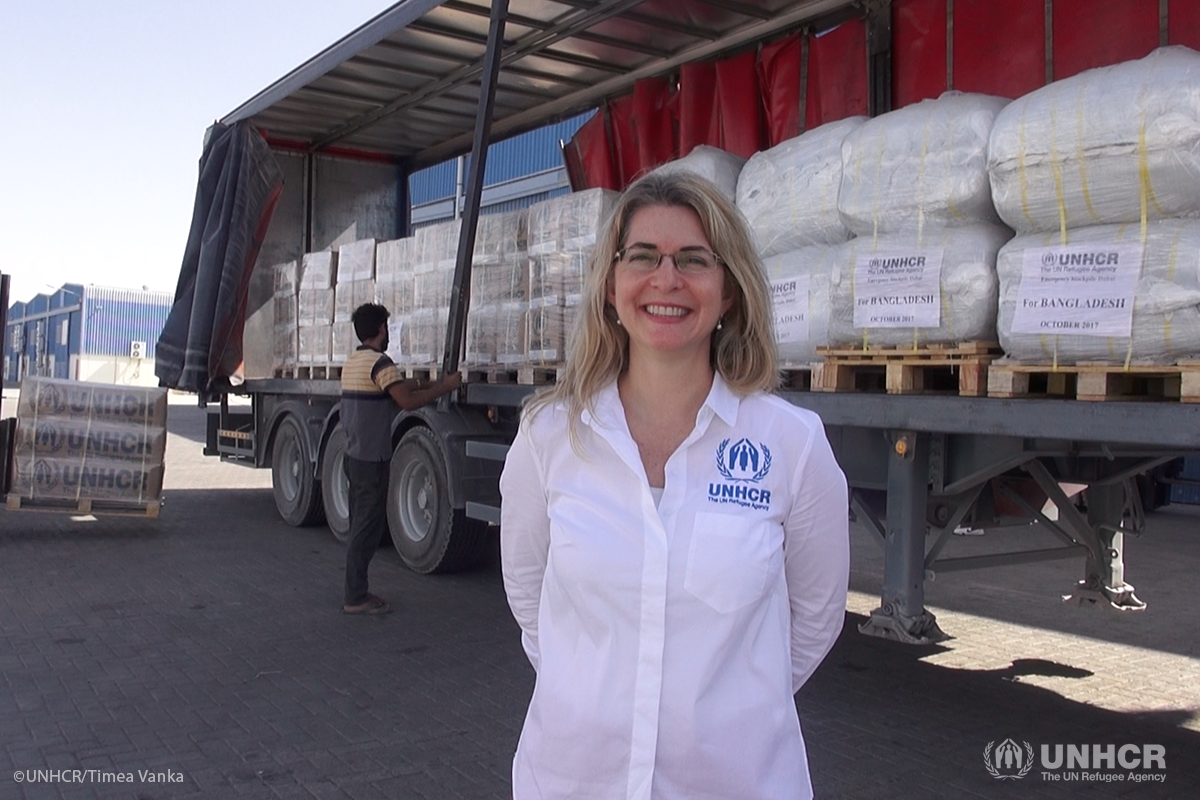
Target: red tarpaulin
(624,140)
(697,103)
(589,162)
(739,104)
(779,77)
(918,50)
(999,48)
(1089,34)
(654,123)
(1183,23)
(837,74)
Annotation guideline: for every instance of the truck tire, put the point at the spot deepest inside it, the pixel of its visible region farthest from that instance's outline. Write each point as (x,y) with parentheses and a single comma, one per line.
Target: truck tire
(429,535)
(297,495)
(335,486)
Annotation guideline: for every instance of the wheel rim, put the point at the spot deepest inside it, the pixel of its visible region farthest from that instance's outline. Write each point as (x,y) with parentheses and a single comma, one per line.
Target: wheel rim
(418,496)
(341,487)
(289,475)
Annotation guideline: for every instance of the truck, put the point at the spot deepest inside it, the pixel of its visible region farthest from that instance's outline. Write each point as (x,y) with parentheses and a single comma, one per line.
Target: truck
(428,80)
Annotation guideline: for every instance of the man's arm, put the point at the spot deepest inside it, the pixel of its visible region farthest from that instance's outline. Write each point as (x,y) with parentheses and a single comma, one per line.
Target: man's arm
(411,395)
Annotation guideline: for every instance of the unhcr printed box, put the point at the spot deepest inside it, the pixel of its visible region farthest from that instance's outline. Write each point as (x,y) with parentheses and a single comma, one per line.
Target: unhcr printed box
(99,402)
(78,441)
(39,478)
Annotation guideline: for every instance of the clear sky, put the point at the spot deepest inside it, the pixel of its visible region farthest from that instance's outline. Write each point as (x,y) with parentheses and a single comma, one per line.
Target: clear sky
(104,110)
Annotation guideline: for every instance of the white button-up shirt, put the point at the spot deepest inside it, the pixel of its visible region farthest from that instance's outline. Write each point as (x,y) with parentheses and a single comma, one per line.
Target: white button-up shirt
(668,642)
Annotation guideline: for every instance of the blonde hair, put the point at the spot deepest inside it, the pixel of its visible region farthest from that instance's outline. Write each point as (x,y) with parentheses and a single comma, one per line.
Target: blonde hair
(743,349)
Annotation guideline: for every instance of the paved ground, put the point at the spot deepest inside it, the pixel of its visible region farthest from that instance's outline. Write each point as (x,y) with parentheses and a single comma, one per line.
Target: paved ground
(209,646)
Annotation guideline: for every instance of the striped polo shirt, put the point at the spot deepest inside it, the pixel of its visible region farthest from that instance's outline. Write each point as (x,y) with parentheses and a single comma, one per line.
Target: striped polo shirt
(367,408)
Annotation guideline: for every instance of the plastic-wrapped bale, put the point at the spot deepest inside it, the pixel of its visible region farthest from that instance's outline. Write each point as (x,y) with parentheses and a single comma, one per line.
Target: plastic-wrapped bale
(79,438)
(394,263)
(427,336)
(501,236)
(1106,295)
(902,289)
(91,479)
(349,295)
(356,261)
(287,277)
(1088,149)
(284,336)
(924,164)
(500,267)
(719,167)
(315,344)
(77,441)
(343,341)
(562,238)
(789,194)
(285,332)
(56,397)
(800,294)
(435,244)
(496,335)
(318,270)
(546,331)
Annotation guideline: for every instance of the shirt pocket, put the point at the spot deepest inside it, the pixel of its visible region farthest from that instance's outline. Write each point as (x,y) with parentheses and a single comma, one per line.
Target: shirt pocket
(729,560)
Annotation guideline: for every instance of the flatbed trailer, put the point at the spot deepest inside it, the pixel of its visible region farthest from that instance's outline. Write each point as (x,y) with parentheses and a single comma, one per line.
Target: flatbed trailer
(429,80)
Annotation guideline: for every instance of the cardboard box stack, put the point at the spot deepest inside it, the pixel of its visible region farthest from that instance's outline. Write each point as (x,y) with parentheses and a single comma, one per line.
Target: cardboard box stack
(562,238)
(286,350)
(354,286)
(315,307)
(88,441)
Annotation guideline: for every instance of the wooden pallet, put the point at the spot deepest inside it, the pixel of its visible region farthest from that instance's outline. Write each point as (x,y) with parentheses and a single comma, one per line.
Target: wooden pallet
(801,377)
(958,369)
(16,502)
(537,376)
(490,375)
(1097,382)
(311,372)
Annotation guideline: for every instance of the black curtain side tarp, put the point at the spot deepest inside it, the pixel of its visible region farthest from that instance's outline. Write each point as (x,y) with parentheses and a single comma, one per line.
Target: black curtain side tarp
(200,348)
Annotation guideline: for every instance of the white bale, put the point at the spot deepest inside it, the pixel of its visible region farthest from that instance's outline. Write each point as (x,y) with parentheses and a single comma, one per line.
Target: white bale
(789,193)
(967,286)
(1085,150)
(810,268)
(718,166)
(1166,308)
(924,164)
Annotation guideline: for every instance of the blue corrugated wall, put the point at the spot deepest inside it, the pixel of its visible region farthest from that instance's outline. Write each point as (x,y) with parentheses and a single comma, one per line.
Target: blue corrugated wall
(527,154)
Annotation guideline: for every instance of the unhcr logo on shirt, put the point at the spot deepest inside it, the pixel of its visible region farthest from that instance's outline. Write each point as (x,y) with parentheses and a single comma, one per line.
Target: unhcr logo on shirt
(742,464)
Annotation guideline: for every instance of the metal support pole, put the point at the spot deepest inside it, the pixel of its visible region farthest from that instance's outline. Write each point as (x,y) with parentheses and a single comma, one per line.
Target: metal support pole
(879,57)
(902,615)
(3,326)
(460,292)
(1104,576)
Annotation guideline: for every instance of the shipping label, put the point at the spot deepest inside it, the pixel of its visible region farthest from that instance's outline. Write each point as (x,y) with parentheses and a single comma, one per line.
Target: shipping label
(790,298)
(1082,290)
(898,289)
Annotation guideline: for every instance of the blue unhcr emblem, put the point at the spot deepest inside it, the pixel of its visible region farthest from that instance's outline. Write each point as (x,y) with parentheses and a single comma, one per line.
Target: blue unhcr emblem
(743,461)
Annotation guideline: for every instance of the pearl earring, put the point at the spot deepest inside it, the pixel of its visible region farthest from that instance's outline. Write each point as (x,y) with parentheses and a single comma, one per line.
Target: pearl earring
(720,323)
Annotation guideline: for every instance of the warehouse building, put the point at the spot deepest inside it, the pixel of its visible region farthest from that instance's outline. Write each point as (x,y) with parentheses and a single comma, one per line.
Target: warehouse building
(87,333)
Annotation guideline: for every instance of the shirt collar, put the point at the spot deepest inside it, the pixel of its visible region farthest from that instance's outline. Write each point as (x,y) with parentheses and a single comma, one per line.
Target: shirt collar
(609,413)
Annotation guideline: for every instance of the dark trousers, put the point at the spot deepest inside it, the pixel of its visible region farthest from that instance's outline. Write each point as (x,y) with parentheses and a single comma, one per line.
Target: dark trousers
(368,521)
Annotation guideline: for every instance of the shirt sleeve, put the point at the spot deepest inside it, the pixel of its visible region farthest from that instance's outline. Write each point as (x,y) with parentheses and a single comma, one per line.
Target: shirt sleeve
(816,558)
(385,373)
(524,537)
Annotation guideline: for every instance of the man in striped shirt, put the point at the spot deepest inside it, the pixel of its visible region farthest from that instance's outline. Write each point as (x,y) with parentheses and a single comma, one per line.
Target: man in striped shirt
(372,387)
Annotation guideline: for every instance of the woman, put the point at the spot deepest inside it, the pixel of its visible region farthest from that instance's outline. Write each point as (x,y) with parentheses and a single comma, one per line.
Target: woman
(674,538)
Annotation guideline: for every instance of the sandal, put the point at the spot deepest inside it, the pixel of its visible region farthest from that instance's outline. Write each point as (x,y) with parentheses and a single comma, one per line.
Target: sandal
(372,605)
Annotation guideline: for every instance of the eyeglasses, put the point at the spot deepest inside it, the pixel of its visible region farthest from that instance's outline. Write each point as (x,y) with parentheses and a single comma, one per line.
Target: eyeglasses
(688,262)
